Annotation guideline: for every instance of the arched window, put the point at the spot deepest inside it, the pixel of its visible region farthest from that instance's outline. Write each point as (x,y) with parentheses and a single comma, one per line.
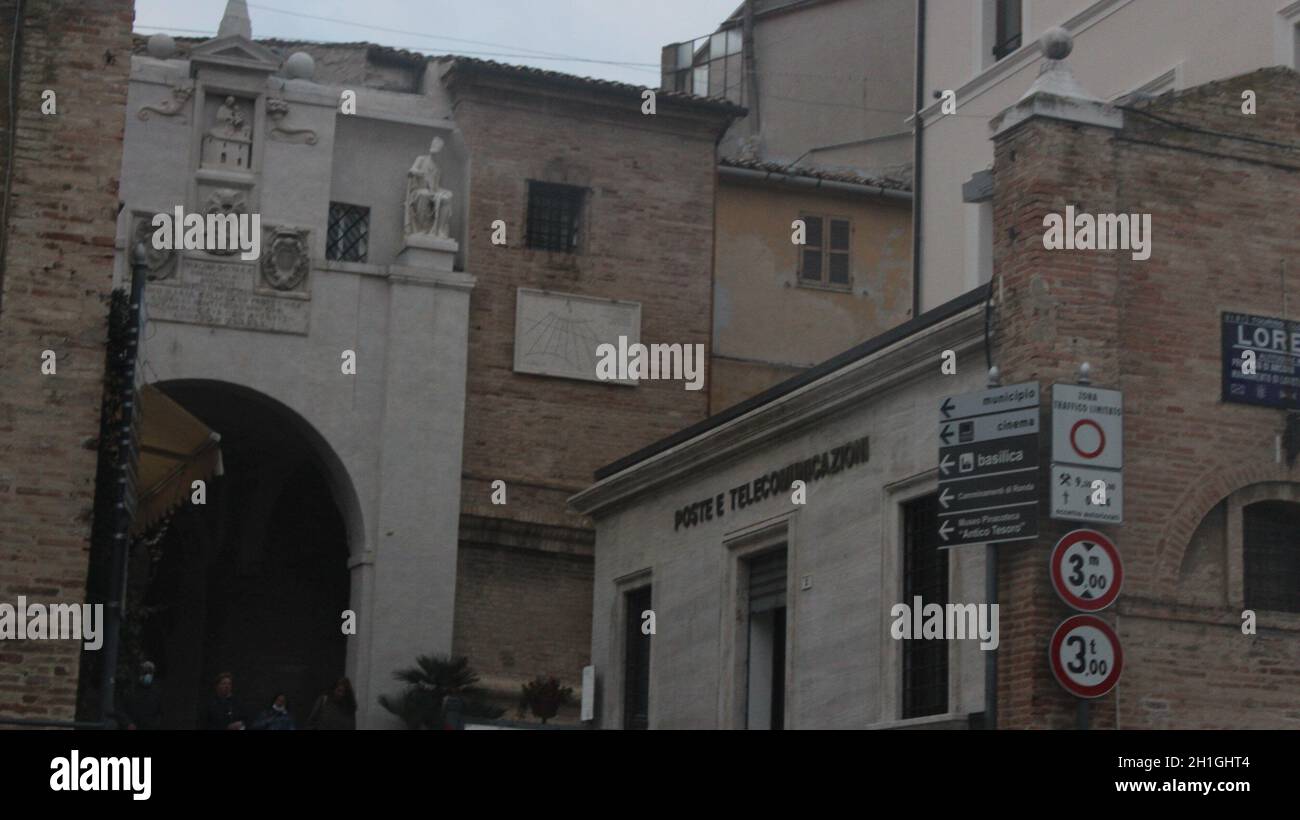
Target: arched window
(1271,566)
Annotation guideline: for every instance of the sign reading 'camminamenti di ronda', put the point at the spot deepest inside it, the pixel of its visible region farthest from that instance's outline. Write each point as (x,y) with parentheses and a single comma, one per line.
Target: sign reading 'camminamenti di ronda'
(830,462)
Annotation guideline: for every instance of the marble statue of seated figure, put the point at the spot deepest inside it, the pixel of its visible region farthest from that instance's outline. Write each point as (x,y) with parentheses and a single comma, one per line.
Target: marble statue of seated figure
(428,204)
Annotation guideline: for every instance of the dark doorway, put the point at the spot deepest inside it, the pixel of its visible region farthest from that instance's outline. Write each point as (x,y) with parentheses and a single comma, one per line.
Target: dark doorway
(254,582)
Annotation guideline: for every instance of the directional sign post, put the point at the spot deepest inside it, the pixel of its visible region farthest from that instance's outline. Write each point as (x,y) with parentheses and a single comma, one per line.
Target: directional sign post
(1085,656)
(1086,570)
(988,466)
(1087,447)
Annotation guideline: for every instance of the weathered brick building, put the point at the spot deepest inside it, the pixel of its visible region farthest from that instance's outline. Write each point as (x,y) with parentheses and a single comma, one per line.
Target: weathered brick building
(774,613)
(1221,187)
(574,218)
(646,189)
(60,176)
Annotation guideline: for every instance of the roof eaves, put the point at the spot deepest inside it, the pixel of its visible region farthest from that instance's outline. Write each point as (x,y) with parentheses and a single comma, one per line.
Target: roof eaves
(893,336)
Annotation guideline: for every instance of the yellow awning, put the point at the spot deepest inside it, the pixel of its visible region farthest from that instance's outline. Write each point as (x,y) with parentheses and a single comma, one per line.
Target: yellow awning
(176,449)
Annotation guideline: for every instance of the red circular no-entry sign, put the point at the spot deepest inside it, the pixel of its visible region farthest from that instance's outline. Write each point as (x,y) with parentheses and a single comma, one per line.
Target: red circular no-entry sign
(1086,570)
(1085,656)
(1086,450)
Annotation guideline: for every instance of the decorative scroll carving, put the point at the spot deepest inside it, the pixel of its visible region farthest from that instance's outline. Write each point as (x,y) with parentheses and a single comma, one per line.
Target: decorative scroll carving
(277,110)
(168,108)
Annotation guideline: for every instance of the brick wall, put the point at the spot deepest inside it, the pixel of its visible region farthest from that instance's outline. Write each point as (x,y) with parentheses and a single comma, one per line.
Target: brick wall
(1223,219)
(57,276)
(649,239)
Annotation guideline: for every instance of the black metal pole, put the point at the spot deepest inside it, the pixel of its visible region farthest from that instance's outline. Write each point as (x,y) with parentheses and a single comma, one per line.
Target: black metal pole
(991,656)
(1082,715)
(123,507)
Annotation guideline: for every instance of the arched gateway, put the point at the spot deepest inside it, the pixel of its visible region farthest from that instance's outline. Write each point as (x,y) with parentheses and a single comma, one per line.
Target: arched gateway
(327,347)
(252,581)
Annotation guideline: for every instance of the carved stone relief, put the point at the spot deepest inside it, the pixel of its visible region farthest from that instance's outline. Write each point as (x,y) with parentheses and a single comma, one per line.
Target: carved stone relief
(161,263)
(285,258)
(228,142)
(168,108)
(225,201)
(277,110)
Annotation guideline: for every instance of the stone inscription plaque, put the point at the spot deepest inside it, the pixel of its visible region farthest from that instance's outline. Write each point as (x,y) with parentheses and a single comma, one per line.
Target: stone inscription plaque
(556,334)
(221,294)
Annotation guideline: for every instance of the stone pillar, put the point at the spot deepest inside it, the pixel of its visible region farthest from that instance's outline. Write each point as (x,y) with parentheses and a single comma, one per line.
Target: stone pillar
(411,586)
(1055,309)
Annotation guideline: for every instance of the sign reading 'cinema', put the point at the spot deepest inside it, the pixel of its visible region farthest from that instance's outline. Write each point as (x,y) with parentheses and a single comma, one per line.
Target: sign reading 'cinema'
(813,468)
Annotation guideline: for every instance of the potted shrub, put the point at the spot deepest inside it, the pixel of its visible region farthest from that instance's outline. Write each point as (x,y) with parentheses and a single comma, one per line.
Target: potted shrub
(543,696)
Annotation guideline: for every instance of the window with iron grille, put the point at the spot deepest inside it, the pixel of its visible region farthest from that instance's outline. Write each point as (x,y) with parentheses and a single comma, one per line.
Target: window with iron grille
(348,238)
(554,216)
(1271,539)
(636,662)
(925,574)
(1006,38)
(824,256)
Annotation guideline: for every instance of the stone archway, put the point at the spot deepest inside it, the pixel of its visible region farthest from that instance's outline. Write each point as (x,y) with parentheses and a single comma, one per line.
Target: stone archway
(254,581)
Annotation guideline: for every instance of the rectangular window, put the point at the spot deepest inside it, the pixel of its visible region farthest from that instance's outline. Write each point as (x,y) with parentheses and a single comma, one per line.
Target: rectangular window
(636,661)
(554,216)
(1006,38)
(348,237)
(925,574)
(706,66)
(1272,559)
(824,256)
(765,689)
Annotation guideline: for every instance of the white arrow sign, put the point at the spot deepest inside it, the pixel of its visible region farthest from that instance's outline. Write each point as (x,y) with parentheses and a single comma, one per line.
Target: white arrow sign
(945,530)
(945,497)
(945,464)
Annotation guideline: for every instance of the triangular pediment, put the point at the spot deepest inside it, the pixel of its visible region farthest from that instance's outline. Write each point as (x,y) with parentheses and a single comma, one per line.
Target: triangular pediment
(236,51)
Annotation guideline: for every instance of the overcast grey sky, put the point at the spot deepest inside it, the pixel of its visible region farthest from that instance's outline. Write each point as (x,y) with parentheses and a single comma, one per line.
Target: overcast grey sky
(631,32)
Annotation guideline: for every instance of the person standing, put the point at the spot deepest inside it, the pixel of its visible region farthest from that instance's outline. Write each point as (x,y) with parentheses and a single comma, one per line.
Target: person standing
(276,718)
(336,709)
(223,711)
(142,706)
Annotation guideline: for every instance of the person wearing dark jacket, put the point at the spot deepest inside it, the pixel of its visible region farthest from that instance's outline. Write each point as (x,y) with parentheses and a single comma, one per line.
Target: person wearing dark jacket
(141,708)
(223,711)
(277,718)
(336,709)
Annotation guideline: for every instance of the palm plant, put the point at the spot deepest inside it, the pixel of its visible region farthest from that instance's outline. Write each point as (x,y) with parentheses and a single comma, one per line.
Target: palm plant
(433,678)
